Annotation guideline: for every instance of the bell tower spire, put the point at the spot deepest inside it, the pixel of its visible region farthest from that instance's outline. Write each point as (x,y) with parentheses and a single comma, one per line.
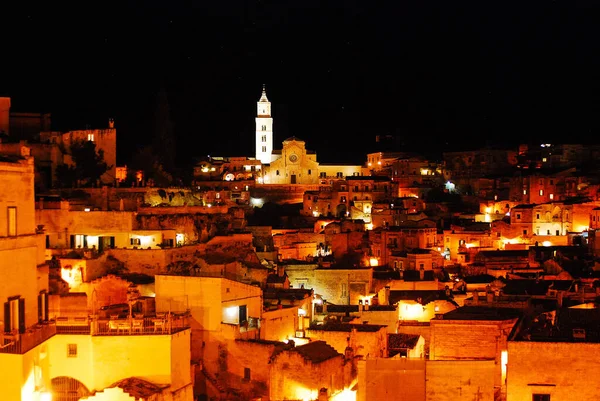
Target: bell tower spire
(264,128)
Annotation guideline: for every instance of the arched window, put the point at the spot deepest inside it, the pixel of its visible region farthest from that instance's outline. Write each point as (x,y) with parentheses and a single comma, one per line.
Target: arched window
(277,172)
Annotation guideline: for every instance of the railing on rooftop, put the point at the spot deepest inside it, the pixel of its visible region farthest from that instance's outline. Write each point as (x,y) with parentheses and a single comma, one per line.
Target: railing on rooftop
(20,343)
(161,323)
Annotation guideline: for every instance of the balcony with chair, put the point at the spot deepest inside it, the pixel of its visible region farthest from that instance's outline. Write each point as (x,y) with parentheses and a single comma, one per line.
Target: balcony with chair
(161,323)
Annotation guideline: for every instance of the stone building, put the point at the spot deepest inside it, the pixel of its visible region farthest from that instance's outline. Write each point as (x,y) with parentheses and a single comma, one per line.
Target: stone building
(366,340)
(544,220)
(300,373)
(40,356)
(475,333)
(292,164)
(550,358)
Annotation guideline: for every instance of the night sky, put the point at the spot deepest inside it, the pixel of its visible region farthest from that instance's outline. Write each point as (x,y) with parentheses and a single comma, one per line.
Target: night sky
(438,75)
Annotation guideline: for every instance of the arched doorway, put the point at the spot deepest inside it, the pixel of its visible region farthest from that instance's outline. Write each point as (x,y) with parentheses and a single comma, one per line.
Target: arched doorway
(340,210)
(66,388)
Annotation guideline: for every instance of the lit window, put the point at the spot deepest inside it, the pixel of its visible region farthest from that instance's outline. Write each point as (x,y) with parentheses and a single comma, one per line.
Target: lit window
(12,221)
(541,192)
(72,350)
(551,196)
(91,137)
(524,192)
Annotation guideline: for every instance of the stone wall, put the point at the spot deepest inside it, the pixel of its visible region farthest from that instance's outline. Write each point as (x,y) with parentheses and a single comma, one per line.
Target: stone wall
(344,242)
(567,371)
(281,193)
(364,343)
(460,380)
(279,324)
(423,329)
(399,379)
(254,356)
(68,305)
(343,286)
(294,378)
(468,339)
(195,226)
(152,261)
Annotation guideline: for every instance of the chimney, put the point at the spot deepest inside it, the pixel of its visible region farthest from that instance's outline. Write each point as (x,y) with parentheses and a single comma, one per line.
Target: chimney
(476,297)
(280,270)
(559,298)
(490,297)
(349,353)
(421,274)
(111,123)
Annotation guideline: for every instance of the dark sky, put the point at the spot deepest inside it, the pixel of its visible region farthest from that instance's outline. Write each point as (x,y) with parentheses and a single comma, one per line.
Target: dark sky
(440,75)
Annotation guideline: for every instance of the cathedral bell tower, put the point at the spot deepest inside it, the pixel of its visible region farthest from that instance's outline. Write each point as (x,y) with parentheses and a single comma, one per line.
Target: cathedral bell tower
(264,129)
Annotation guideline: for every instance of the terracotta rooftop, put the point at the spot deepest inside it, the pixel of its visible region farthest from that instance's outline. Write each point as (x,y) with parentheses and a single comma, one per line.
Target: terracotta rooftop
(481,313)
(347,327)
(139,388)
(288,293)
(218,258)
(275,278)
(316,351)
(401,340)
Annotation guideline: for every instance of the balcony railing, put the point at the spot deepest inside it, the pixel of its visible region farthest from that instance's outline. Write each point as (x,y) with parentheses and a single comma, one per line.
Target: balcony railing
(20,343)
(167,323)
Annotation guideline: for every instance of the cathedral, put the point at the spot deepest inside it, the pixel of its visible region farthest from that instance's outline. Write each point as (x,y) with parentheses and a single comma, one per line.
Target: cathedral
(292,164)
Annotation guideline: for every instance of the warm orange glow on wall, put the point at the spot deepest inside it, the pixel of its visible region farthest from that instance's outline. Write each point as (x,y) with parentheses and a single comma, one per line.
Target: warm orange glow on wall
(503,364)
(373,262)
(305,394)
(410,311)
(344,395)
(72,276)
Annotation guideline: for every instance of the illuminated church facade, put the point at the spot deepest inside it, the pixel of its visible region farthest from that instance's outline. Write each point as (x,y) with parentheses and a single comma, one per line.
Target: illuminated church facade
(293,163)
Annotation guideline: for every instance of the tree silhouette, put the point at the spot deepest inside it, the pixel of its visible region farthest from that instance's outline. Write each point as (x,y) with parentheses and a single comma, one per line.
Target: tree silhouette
(146,160)
(88,166)
(163,143)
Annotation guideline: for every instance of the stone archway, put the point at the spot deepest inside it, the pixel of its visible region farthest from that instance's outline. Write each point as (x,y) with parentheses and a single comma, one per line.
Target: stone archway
(66,388)
(340,210)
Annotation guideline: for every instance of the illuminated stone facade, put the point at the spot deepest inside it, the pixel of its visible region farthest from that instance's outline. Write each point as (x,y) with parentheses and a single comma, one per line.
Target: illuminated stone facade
(546,219)
(293,164)
(24,359)
(300,372)
(105,139)
(264,129)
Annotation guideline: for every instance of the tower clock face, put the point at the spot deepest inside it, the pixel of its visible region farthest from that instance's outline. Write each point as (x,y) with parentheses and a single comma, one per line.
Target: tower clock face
(293,158)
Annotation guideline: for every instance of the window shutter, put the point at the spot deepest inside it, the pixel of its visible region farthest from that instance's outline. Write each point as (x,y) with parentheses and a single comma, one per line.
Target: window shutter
(46,307)
(7,327)
(21,315)
(40,305)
